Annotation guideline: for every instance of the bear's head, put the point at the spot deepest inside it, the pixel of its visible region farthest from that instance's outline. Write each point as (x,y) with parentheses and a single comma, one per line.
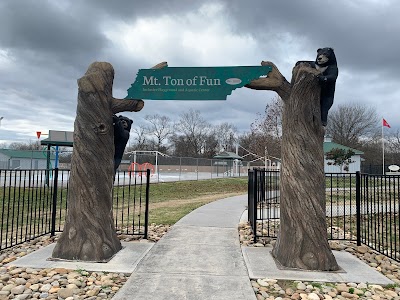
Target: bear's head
(325,57)
(126,122)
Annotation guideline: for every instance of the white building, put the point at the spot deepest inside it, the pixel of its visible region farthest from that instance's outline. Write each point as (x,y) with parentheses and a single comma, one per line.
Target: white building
(354,166)
(25,159)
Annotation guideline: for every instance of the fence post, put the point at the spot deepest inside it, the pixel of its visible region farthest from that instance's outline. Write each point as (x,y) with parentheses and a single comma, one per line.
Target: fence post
(146,214)
(255,203)
(358,207)
(180,167)
(250,196)
(48,165)
(54,206)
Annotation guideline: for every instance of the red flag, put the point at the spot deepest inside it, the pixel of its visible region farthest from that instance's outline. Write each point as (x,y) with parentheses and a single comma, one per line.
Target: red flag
(38,133)
(385,123)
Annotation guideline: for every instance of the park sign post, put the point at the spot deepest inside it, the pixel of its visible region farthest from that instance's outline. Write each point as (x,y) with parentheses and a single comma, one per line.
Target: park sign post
(193,83)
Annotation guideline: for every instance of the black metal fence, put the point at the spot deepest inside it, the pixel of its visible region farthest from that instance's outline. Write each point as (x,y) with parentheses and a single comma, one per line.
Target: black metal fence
(263,202)
(33,203)
(379,213)
(359,207)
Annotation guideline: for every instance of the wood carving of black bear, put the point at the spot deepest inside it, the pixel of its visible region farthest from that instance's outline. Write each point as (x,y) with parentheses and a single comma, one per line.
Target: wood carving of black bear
(326,63)
(122,127)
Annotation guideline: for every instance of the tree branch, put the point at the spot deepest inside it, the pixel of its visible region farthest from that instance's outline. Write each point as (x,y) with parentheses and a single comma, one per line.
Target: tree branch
(119,105)
(160,65)
(274,81)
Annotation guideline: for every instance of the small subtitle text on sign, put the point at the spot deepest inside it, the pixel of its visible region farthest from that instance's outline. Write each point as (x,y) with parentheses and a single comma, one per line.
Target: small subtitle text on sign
(164,90)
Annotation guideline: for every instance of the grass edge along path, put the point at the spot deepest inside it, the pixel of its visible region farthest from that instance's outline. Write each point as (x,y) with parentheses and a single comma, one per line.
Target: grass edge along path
(171,201)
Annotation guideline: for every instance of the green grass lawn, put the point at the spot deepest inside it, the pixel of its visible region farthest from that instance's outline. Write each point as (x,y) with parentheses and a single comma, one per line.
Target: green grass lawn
(170,201)
(160,192)
(23,210)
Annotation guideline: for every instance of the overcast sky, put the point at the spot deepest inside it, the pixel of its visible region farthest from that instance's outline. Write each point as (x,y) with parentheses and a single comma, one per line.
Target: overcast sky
(45,46)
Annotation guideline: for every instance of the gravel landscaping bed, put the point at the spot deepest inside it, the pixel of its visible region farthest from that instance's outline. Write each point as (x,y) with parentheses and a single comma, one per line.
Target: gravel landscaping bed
(64,284)
(270,288)
(60,283)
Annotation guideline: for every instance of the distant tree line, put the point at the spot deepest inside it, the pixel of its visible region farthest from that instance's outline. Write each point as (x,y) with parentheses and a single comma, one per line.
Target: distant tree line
(353,124)
(191,135)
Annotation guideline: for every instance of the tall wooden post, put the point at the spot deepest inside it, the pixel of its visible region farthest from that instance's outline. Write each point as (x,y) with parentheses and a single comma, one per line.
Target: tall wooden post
(302,240)
(89,232)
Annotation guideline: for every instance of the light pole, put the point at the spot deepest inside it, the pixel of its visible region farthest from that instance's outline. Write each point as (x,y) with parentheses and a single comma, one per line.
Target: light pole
(1,118)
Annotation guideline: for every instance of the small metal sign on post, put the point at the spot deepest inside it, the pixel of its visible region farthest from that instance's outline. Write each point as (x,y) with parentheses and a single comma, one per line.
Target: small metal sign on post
(193,83)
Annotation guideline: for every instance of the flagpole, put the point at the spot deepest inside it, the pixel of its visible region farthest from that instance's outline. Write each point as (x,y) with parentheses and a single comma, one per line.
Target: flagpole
(384,123)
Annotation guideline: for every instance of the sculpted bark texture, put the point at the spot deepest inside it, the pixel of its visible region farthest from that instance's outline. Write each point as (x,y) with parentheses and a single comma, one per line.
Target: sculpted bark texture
(302,240)
(89,233)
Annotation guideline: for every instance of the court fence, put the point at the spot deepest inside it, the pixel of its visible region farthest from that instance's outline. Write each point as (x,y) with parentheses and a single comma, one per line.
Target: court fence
(163,168)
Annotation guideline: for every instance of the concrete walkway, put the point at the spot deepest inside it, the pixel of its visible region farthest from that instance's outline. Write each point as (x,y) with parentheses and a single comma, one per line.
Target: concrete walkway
(199,258)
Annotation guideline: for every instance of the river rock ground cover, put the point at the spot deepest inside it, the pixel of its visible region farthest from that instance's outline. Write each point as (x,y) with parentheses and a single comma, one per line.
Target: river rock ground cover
(60,283)
(270,288)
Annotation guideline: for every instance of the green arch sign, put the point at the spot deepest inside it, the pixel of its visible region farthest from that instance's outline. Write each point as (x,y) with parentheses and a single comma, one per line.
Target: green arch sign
(192,83)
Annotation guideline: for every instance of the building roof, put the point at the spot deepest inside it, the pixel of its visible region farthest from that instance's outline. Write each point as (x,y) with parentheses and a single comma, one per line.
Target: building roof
(29,154)
(59,138)
(329,145)
(227,155)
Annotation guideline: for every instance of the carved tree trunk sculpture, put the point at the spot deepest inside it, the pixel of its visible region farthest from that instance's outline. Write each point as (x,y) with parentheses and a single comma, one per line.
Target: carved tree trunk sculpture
(89,233)
(302,240)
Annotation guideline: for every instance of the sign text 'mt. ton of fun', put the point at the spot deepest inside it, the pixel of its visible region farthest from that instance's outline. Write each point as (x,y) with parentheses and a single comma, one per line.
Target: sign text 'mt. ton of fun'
(197,83)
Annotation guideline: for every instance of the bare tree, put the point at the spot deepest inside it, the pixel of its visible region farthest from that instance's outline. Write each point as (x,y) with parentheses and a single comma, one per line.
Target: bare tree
(139,136)
(267,129)
(302,240)
(352,124)
(246,140)
(392,148)
(31,145)
(225,134)
(372,156)
(210,145)
(17,146)
(161,128)
(271,122)
(393,144)
(193,130)
(179,146)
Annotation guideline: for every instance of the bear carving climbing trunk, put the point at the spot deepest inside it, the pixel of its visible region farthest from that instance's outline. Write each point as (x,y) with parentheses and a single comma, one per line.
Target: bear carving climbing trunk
(302,240)
(89,233)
